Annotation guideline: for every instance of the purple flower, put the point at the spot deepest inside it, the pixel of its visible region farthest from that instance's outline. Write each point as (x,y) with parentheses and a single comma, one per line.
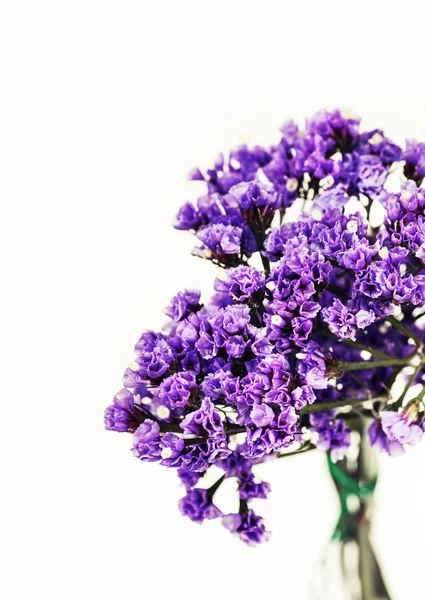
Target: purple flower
(234,319)
(240,283)
(196,456)
(188,478)
(344,323)
(261,415)
(150,365)
(255,195)
(251,488)
(394,431)
(120,416)
(204,422)
(248,526)
(414,157)
(221,239)
(312,367)
(197,505)
(250,361)
(178,389)
(280,433)
(147,441)
(333,434)
(187,217)
(183,304)
(301,396)
(334,197)
(371,175)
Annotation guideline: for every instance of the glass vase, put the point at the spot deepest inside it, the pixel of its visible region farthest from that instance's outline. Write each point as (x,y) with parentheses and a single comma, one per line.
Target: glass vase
(349,569)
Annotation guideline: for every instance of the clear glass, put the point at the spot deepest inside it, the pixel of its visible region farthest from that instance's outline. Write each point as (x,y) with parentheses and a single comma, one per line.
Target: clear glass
(349,569)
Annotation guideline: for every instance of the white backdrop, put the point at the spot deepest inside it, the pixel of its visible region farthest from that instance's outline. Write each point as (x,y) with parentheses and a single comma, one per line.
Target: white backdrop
(104,108)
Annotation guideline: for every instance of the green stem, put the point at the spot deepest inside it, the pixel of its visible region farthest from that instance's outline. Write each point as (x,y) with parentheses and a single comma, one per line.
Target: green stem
(410,382)
(372,351)
(372,364)
(405,330)
(319,406)
(357,345)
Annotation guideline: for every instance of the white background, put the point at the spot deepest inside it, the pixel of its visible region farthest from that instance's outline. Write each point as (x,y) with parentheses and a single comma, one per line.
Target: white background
(104,108)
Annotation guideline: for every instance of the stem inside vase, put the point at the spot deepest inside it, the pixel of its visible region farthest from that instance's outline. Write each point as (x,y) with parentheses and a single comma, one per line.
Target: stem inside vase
(355,481)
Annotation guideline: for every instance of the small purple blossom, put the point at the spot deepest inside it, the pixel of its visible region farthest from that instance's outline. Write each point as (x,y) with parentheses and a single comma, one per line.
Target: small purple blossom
(205,421)
(120,416)
(147,441)
(393,432)
(255,195)
(248,526)
(221,239)
(241,283)
(343,322)
(183,304)
(188,478)
(197,505)
(333,434)
(178,389)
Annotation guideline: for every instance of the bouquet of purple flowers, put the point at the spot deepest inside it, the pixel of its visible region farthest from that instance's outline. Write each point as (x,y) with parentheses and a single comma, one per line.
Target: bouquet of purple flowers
(314,337)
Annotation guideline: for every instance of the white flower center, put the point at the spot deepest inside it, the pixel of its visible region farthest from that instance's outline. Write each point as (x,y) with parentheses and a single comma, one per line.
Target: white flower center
(276,320)
(163,412)
(376,139)
(327,182)
(166,452)
(352,226)
(292,184)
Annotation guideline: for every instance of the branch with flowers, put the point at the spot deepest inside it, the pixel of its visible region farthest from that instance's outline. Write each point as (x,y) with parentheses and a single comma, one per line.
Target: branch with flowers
(316,321)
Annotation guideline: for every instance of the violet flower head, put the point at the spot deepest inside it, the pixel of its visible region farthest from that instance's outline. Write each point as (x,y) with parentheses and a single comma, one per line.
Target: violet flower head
(394,431)
(183,304)
(316,310)
(205,421)
(120,416)
(240,283)
(256,195)
(198,506)
(147,441)
(414,157)
(188,478)
(221,239)
(248,526)
(333,434)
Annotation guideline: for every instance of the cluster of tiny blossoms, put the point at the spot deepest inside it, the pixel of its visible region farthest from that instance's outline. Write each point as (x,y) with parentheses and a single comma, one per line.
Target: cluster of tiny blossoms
(282,356)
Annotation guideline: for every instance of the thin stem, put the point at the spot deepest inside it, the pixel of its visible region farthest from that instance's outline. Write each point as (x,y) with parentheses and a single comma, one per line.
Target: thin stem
(395,373)
(419,316)
(212,490)
(405,330)
(409,383)
(306,448)
(367,348)
(421,395)
(319,406)
(266,263)
(235,429)
(357,345)
(371,364)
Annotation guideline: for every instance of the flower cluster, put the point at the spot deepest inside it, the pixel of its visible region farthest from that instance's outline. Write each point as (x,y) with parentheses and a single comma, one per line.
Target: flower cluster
(284,356)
